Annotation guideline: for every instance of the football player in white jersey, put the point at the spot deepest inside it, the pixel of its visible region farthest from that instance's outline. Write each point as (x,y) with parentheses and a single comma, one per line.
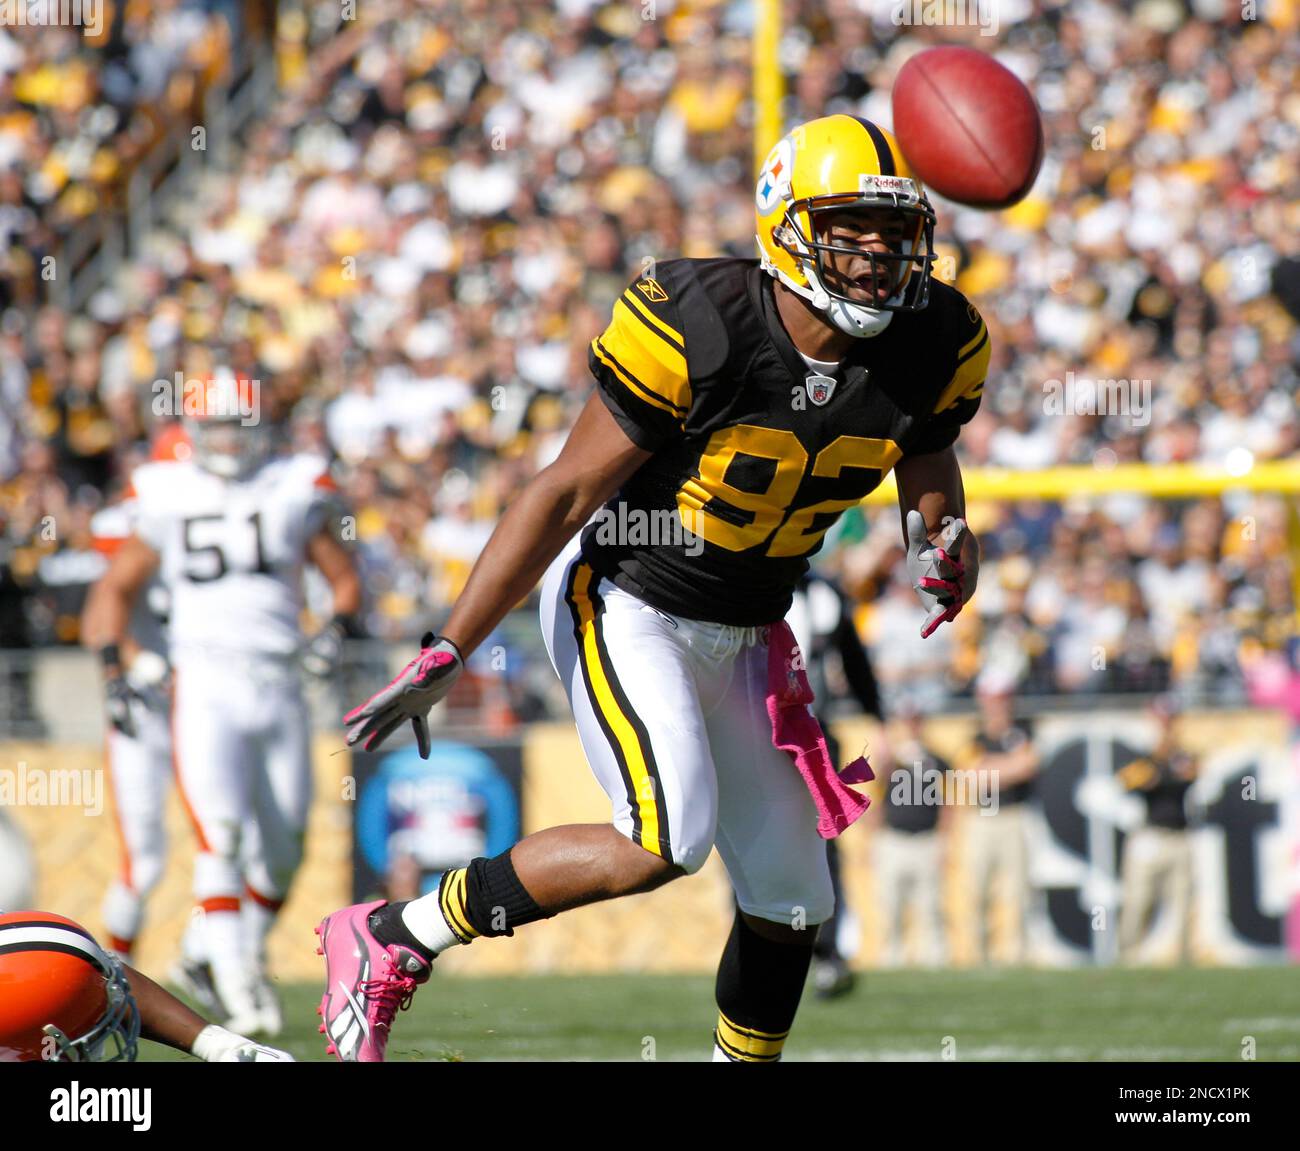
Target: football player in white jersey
(139,743)
(229,533)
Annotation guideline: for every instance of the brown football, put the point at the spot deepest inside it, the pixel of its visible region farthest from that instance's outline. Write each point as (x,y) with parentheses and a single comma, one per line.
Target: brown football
(968,126)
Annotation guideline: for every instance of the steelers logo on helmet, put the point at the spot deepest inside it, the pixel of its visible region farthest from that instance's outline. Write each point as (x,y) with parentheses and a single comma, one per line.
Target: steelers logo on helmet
(844,222)
(773,188)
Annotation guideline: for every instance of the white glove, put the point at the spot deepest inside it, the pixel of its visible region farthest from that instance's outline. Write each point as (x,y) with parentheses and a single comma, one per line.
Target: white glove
(936,570)
(150,678)
(217,1045)
(421,684)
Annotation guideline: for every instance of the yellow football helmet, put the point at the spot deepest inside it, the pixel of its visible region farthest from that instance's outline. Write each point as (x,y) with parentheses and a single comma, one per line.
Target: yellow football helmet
(829,165)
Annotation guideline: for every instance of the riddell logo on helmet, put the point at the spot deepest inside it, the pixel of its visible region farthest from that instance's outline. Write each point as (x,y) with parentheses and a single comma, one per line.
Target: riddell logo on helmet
(890,185)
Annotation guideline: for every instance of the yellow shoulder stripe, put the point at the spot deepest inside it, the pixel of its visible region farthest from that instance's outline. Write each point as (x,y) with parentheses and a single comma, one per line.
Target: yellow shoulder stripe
(970,344)
(645,313)
(631,383)
(968,381)
(657,365)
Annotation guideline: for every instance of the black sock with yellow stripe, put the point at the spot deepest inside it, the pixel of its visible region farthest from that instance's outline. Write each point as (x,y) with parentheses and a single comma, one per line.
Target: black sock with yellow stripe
(451,902)
(759,986)
(487,898)
(483,898)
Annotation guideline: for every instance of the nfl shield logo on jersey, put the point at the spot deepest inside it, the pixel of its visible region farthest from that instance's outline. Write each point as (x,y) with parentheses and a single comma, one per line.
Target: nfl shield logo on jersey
(819,388)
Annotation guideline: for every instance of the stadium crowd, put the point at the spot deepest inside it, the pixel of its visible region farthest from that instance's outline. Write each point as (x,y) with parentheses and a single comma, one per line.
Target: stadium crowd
(417,242)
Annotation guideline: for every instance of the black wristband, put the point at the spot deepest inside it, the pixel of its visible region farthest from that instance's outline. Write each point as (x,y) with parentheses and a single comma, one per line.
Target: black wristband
(347,623)
(110,655)
(431,637)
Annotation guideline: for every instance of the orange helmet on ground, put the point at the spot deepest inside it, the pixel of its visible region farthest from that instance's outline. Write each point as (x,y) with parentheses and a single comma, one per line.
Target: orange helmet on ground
(62,998)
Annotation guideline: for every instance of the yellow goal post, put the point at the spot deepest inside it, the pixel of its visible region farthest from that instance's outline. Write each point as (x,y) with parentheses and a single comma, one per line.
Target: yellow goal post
(1159,481)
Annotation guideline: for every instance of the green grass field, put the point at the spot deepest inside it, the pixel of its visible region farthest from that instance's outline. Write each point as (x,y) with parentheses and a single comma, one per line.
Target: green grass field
(1172,1015)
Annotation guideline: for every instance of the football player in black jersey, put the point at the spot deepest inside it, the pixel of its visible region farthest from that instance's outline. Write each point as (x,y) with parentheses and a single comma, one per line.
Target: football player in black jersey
(740,406)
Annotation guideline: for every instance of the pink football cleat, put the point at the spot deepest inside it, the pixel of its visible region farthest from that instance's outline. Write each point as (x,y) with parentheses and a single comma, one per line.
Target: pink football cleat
(366,984)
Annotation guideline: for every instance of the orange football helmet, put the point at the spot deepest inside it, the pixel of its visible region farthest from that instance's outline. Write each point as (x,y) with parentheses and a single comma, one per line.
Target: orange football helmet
(62,998)
(171,443)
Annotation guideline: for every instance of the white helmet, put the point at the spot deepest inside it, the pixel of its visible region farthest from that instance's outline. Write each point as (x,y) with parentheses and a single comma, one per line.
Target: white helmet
(225,425)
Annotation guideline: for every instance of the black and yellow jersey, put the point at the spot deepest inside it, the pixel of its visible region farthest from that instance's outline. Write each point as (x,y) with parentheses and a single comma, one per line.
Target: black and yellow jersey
(755,453)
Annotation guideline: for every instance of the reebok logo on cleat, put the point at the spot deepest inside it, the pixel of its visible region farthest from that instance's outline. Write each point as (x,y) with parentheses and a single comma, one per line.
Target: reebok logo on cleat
(347,1032)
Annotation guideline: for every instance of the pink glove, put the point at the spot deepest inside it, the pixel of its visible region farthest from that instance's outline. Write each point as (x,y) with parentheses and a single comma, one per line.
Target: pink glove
(421,684)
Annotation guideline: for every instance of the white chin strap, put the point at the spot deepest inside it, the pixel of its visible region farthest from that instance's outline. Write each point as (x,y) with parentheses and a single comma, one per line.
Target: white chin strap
(852,319)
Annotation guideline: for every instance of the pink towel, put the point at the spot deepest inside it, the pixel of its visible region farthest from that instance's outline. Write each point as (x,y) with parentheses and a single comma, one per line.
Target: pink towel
(795,731)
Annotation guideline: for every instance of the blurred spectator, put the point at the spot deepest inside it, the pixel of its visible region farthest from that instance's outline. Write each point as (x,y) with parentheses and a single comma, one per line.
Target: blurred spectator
(432,218)
(1157,867)
(1004,759)
(911,844)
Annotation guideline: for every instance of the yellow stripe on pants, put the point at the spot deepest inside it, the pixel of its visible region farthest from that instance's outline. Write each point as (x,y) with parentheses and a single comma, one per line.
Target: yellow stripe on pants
(643,784)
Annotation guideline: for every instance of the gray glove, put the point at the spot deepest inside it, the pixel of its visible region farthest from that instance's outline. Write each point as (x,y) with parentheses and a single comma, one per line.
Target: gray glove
(118,697)
(936,572)
(422,683)
(324,650)
(146,684)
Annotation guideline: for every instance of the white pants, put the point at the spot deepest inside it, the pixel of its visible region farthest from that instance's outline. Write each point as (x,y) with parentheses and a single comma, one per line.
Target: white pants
(140,772)
(243,765)
(672,717)
(907,870)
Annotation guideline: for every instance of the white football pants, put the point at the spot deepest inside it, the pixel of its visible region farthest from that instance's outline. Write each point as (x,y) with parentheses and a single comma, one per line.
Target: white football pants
(140,773)
(243,768)
(673,720)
